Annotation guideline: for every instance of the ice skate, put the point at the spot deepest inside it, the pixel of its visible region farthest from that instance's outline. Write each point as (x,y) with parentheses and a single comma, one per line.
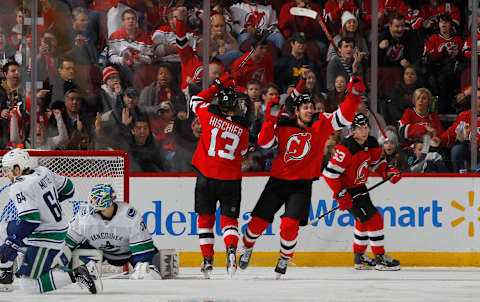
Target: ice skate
(363,262)
(82,277)
(207,267)
(386,263)
(6,279)
(244,257)
(231,261)
(281,267)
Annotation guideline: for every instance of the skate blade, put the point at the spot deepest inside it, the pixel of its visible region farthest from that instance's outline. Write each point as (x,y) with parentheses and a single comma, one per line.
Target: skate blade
(278,276)
(386,268)
(363,267)
(207,274)
(232,268)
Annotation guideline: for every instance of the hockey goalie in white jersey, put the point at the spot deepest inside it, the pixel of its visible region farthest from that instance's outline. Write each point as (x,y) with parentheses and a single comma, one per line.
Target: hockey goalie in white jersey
(40,231)
(118,231)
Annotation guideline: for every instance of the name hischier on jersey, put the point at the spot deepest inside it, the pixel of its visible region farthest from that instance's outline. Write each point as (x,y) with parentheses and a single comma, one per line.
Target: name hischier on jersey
(225,126)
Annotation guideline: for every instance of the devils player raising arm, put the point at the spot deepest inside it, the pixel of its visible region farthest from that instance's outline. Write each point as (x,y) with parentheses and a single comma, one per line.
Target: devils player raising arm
(300,151)
(346,174)
(218,160)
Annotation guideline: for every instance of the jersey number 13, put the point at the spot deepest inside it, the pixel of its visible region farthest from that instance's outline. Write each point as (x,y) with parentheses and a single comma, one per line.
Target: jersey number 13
(228,151)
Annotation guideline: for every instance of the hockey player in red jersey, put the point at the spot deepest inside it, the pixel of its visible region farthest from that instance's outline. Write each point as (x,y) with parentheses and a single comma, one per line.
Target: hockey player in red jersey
(301,142)
(346,174)
(218,159)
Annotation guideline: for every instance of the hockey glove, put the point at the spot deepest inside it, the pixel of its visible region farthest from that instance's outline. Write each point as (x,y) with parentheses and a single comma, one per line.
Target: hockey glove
(274,109)
(396,174)
(344,199)
(9,250)
(356,86)
(225,80)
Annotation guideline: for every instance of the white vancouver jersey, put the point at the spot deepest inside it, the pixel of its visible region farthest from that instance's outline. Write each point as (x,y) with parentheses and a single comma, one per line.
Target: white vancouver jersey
(36,199)
(124,235)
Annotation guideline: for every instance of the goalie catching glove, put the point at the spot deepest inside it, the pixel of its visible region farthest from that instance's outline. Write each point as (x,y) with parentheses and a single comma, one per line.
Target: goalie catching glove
(356,85)
(344,199)
(145,271)
(274,109)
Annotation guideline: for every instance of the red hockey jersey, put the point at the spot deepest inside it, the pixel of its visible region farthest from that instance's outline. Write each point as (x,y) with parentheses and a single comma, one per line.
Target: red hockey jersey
(437,45)
(223,142)
(429,12)
(449,137)
(351,164)
(467,47)
(300,151)
(261,71)
(412,124)
(332,12)
(192,66)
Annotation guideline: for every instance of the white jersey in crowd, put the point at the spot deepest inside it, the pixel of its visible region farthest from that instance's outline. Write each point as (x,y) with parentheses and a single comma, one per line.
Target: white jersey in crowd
(36,197)
(124,235)
(246,15)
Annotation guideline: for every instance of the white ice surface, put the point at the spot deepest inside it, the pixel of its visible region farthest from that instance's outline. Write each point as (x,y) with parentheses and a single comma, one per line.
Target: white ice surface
(300,284)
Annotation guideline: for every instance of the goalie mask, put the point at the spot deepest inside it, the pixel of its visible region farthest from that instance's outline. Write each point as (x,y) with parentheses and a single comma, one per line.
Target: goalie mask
(101,197)
(303,99)
(227,98)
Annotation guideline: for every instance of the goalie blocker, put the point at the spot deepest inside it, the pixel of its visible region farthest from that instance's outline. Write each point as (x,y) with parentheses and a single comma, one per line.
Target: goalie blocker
(165,263)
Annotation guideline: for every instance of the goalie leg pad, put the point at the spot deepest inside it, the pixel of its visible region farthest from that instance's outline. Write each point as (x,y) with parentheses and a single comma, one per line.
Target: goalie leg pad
(63,259)
(167,263)
(145,271)
(83,256)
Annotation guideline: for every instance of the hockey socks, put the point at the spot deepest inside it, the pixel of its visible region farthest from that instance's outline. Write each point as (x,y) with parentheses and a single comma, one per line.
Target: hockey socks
(230,230)
(369,231)
(255,228)
(205,234)
(288,236)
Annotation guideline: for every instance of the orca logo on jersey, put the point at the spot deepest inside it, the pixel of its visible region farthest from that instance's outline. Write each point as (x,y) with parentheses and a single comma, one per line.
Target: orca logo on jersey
(362,173)
(298,146)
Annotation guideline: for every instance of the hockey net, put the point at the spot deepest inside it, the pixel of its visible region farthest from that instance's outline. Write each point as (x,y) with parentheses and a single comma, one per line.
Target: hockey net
(84,168)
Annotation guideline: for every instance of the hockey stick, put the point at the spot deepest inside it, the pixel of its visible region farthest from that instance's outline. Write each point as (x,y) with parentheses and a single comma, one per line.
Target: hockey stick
(378,124)
(250,54)
(356,196)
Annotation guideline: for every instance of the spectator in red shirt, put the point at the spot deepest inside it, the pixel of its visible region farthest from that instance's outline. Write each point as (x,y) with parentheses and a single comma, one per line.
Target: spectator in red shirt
(419,121)
(258,67)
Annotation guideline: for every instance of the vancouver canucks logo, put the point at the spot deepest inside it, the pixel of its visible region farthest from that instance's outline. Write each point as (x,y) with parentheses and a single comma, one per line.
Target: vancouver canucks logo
(298,146)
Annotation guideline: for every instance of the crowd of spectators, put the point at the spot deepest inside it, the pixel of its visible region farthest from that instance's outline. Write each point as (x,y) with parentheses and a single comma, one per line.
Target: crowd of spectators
(118,74)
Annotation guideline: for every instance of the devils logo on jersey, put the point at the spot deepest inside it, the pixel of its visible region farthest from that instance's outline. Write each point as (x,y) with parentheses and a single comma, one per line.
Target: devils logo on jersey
(362,173)
(396,52)
(254,19)
(298,146)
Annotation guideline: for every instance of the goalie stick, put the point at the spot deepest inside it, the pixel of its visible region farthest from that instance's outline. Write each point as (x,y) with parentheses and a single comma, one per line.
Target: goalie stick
(357,195)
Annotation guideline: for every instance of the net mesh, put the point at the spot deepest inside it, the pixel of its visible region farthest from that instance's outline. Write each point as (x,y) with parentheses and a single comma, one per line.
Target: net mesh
(83,171)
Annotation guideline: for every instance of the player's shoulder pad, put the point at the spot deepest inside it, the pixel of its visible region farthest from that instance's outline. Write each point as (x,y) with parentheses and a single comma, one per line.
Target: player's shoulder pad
(372,142)
(351,145)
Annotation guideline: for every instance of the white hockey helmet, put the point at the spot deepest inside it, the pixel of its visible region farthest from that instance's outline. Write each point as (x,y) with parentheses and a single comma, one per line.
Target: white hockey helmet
(16,157)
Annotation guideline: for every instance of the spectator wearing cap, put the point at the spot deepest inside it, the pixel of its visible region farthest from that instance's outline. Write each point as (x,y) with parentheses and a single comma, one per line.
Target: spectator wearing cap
(164,89)
(351,29)
(105,98)
(289,68)
(258,67)
(348,62)
(115,125)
